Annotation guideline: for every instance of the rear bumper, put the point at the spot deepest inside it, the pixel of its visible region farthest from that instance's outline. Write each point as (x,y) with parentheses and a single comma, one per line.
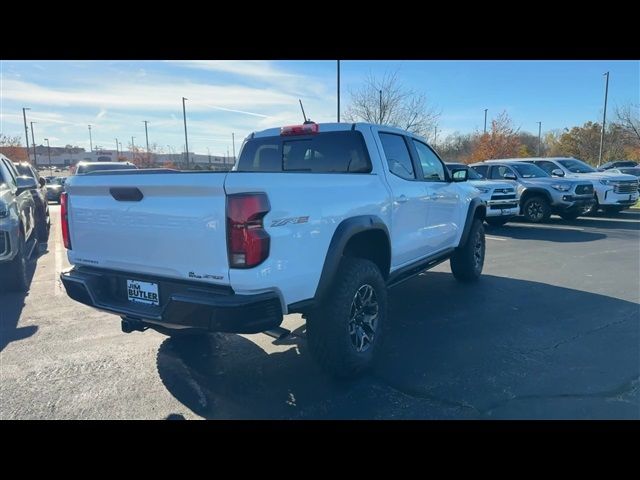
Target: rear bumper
(183,304)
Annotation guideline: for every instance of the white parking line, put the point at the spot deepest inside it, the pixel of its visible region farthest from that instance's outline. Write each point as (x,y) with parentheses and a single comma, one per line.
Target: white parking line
(489,237)
(58,253)
(549,227)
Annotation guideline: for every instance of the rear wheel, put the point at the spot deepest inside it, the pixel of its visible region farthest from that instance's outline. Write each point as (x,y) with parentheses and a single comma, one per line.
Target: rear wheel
(497,221)
(15,272)
(536,209)
(344,334)
(468,259)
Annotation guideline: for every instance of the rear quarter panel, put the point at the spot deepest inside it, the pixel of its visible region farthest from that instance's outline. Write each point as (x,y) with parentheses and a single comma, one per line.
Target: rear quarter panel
(298,250)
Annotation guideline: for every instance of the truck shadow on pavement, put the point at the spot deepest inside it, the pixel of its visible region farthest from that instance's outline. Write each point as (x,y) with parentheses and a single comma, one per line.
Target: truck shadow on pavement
(11,305)
(502,348)
(544,232)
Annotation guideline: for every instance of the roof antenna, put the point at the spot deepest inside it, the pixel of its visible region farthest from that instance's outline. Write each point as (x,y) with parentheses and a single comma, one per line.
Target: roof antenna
(306,121)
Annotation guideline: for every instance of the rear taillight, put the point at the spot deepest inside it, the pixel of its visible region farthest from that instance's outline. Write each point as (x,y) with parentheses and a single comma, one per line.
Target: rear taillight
(247,240)
(64,213)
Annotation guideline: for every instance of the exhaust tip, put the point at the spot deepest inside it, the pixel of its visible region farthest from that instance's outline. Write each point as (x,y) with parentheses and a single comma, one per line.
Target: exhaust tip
(279,333)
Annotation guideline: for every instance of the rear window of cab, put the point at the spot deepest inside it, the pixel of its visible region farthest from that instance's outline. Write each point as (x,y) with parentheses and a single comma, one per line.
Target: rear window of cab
(329,152)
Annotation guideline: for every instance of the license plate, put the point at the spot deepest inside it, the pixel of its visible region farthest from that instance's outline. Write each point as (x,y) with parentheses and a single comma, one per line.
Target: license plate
(143,292)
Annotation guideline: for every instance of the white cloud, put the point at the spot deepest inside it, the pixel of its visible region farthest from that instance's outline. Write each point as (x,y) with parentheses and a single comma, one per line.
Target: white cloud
(248,68)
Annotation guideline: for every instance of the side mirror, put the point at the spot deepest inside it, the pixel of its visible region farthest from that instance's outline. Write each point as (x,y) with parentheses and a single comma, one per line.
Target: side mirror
(556,172)
(25,183)
(509,176)
(459,175)
(42,181)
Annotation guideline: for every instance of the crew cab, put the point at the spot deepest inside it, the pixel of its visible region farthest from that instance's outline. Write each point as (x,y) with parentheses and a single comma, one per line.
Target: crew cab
(17,226)
(502,198)
(613,191)
(540,194)
(318,219)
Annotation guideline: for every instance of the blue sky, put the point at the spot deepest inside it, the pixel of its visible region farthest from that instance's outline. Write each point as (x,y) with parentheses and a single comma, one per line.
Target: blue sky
(243,96)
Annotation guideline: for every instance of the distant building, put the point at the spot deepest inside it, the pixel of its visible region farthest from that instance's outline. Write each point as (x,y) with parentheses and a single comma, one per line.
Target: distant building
(62,156)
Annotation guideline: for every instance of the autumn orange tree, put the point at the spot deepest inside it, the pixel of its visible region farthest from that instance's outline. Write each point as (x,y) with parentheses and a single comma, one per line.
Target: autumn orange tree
(12,148)
(501,141)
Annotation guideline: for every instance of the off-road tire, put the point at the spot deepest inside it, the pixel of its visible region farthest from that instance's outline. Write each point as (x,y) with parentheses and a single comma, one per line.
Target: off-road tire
(468,259)
(328,325)
(536,209)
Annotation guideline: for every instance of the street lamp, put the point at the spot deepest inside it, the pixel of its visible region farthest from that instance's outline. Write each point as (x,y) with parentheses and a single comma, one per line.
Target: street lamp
(49,154)
(146,134)
(604,118)
(90,140)
(186,142)
(26,133)
(33,142)
(485,120)
(539,136)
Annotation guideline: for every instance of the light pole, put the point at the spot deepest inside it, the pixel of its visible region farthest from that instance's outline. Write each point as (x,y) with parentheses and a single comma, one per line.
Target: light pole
(49,154)
(33,142)
(380,107)
(485,120)
(539,136)
(132,145)
(146,134)
(338,83)
(186,142)
(233,140)
(26,132)
(90,140)
(117,152)
(604,118)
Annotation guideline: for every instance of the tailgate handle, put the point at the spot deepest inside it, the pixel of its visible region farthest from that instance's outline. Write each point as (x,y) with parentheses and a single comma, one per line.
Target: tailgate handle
(126,194)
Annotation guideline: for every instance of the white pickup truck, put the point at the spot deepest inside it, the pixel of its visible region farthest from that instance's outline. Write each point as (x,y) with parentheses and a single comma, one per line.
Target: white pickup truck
(318,219)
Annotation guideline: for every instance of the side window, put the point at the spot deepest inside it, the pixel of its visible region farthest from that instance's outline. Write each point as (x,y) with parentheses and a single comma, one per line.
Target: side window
(546,166)
(498,171)
(11,180)
(432,167)
(397,153)
(482,170)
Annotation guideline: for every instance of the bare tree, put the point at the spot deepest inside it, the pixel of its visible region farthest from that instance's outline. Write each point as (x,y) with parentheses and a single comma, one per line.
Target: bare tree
(12,148)
(629,120)
(386,102)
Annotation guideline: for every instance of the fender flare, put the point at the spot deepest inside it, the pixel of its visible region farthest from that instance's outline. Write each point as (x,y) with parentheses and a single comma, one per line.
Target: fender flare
(474,205)
(341,236)
(535,191)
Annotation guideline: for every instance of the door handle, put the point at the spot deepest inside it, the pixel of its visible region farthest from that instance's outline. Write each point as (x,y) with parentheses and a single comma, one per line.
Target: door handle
(435,196)
(402,199)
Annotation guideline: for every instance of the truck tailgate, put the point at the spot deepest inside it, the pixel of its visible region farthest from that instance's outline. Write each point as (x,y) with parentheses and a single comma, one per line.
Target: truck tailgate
(155,223)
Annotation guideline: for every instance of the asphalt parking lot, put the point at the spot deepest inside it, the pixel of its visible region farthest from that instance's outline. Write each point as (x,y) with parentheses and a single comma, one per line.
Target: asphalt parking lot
(550,331)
